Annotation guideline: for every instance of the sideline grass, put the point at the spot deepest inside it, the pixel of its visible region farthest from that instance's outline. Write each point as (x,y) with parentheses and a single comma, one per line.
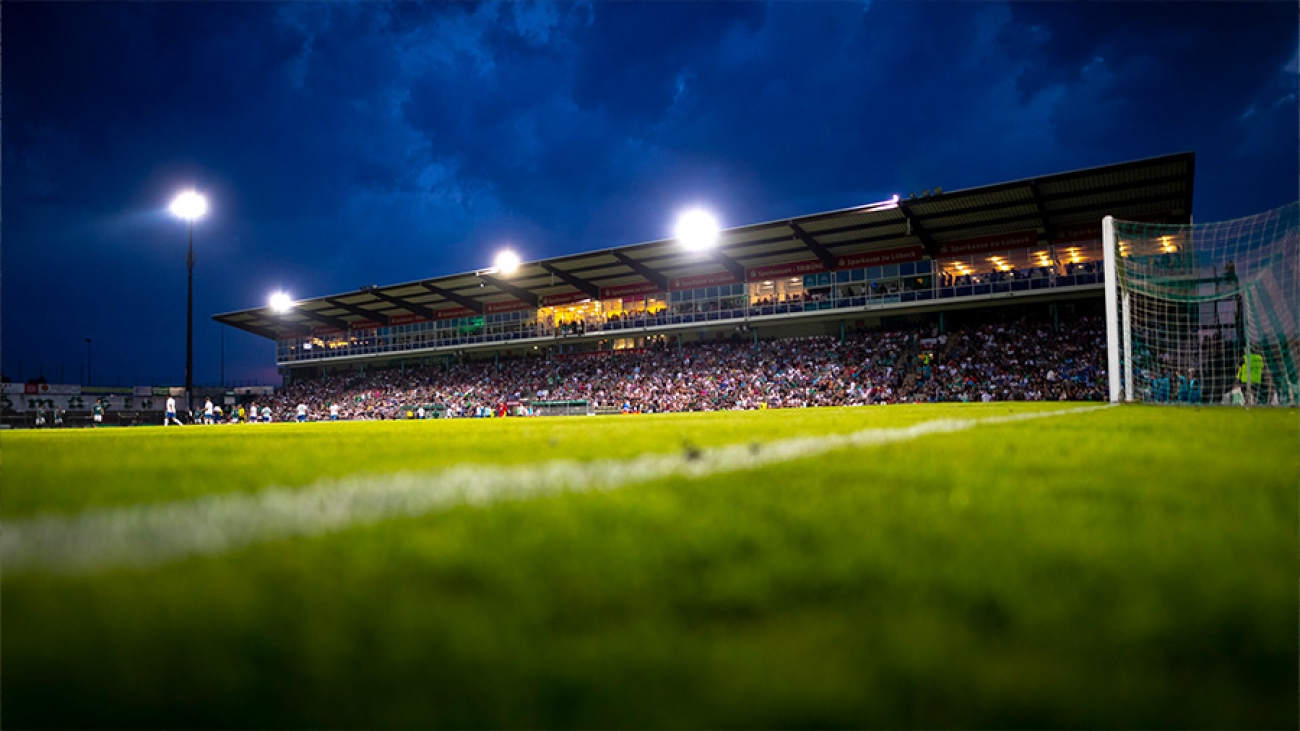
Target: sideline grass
(1131,567)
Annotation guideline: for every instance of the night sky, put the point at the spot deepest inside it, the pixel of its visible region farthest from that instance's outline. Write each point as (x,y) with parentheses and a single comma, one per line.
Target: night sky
(343,144)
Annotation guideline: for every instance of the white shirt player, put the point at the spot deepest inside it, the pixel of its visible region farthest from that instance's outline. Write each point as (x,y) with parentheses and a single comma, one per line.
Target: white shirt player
(302,412)
(171,406)
(334,411)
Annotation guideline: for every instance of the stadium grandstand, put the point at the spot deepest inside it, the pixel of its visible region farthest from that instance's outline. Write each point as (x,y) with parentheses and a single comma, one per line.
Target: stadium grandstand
(909,262)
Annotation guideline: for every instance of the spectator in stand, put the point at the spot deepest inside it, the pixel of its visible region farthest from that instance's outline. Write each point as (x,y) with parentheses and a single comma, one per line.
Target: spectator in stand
(1018,360)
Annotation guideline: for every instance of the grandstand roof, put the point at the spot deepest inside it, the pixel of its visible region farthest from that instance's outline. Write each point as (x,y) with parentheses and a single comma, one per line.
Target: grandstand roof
(1052,204)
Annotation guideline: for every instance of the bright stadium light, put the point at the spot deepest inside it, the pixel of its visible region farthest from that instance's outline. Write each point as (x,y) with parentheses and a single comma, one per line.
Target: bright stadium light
(281,302)
(507,262)
(697,230)
(189,206)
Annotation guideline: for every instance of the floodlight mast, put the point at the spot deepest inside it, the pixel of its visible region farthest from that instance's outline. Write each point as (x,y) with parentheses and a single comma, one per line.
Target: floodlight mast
(189,206)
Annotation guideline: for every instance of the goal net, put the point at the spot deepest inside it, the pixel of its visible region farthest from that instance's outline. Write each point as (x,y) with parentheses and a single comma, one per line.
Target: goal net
(1204,313)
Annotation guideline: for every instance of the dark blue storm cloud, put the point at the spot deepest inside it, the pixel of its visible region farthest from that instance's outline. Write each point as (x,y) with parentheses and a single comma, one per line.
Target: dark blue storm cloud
(348,144)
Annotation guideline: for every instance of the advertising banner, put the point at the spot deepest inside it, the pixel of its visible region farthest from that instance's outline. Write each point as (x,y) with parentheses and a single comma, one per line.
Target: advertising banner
(878,258)
(565,298)
(1089,231)
(98,390)
(365,325)
(702,280)
(996,242)
(408,319)
(625,290)
(493,308)
(454,312)
(792,269)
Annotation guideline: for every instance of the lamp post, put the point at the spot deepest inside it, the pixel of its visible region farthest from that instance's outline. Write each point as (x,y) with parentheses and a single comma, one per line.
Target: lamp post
(189,206)
(88,381)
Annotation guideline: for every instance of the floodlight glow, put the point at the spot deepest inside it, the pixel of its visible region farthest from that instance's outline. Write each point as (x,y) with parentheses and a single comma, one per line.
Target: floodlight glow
(697,230)
(880,206)
(507,262)
(281,302)
(189,206)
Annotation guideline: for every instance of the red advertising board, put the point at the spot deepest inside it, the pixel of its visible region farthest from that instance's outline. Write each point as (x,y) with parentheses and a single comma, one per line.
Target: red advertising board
(626,290)
(876,258)
(451,312)
(323,330)
(996,242)
(792,269)
(1089,231)
(406,319)
(565,298)
(702,280)
(493,308)
(365,325)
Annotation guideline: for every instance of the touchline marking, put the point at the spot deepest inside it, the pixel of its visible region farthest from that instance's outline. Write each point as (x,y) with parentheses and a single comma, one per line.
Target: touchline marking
(149,535)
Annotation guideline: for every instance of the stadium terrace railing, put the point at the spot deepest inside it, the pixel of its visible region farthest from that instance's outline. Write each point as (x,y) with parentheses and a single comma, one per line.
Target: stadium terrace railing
(866,289)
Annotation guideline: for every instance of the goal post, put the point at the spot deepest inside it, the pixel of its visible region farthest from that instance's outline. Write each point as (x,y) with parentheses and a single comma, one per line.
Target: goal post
(1204,313)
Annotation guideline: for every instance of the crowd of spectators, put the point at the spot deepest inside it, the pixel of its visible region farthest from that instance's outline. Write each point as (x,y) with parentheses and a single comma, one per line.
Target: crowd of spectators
(1021,360)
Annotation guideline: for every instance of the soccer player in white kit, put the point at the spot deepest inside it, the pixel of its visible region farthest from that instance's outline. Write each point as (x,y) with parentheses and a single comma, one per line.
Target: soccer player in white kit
(302,413)
(334,412)
(207,411)
(171,413)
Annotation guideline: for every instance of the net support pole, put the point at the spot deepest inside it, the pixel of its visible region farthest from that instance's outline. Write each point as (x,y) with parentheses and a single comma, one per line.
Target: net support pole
(1126,332)
(1109,254)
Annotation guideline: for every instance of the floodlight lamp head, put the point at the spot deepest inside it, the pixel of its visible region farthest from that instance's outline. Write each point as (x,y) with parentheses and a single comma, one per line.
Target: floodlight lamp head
(281,302)
(507,262)
(189,206)
(697,230)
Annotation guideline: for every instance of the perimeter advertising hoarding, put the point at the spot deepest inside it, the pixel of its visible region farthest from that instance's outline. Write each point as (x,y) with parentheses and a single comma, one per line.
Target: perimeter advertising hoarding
(119,400)
(36,389)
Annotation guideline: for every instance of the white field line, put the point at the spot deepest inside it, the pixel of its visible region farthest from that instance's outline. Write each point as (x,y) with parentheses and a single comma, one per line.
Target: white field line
(149,535)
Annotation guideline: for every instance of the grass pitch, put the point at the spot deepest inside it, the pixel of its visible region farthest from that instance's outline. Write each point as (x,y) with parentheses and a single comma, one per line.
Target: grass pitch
(1131,567)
